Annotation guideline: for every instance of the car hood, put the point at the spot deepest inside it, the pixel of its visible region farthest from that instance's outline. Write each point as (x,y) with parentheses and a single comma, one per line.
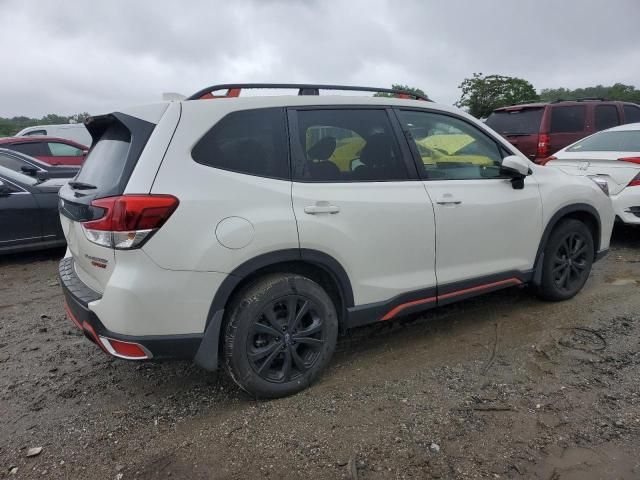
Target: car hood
(51,185)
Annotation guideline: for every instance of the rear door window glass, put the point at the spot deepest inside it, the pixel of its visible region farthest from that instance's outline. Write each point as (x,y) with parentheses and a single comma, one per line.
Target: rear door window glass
(253,142)
(567,119)
(347,145)
(606,117)
(631,114)
(63,150)
(525,121)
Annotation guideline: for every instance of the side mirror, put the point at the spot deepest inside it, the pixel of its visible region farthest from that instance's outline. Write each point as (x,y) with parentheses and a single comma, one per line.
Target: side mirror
(517,168)
(85,153)
(29,170)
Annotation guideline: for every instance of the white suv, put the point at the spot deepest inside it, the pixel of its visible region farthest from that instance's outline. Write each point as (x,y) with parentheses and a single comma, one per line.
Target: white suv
(254,230)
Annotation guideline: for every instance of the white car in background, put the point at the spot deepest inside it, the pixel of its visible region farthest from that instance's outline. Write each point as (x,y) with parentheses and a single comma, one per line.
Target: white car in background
(71,131)
(612,155)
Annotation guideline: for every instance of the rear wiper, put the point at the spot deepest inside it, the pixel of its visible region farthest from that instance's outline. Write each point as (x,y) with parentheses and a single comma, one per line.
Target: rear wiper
(82,186)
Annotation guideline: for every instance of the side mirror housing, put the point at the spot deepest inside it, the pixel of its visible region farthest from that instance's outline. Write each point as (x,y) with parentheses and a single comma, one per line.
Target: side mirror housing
(517,168)
(29,170)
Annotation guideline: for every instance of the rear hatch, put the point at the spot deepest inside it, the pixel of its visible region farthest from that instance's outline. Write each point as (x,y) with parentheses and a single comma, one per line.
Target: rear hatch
(118,141)
(520,125)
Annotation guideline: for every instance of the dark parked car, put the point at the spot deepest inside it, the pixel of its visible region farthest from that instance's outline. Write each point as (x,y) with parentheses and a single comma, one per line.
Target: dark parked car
(28,212)
(51,150)
(21,163)
(541,129)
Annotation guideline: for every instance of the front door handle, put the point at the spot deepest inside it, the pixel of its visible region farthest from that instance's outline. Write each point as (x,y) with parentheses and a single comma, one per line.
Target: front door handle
(321,207)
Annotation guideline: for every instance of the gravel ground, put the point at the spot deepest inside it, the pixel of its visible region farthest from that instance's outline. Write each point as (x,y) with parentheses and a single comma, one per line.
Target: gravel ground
(501,386)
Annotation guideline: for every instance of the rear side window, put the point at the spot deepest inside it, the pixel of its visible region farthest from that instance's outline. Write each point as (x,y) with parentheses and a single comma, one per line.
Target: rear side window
(248,141)
(567,119)
(606,117)
(345,145)
(105,163)
(525,121)
(631,114)
(32,148)
(63,150)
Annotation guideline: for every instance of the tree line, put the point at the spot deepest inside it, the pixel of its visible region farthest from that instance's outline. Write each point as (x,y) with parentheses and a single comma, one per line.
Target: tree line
(480,95)
(11,126)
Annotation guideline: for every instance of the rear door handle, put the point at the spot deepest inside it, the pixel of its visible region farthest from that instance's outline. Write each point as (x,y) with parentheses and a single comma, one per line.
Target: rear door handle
(321,207)
(448,199)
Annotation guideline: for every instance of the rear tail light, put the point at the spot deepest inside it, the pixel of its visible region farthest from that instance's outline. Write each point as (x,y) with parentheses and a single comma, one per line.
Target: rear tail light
(543,145)
(635,181)
(630,159)
(547,160)
(128,221)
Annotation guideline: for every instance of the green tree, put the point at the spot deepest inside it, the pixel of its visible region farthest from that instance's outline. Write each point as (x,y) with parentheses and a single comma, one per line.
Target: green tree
(397,86)
(618,91)
(11,126)
(481,94)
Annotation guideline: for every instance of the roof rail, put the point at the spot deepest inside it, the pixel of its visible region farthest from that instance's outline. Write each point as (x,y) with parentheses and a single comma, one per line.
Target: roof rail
(525,102)
(584,99)
(233,90)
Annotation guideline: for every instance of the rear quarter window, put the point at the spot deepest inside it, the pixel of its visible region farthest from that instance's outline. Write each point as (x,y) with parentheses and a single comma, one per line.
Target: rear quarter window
(606,117)
(568,119)
(631,114)
(252,142)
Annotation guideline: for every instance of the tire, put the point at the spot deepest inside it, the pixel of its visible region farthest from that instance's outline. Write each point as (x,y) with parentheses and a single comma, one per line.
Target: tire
(280,335)
(568,257)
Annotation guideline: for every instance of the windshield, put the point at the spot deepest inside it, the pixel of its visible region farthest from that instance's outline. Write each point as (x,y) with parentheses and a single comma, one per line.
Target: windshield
(525,121)
(619,141)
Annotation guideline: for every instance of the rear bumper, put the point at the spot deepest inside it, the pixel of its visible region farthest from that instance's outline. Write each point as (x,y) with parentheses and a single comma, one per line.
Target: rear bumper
(77,298)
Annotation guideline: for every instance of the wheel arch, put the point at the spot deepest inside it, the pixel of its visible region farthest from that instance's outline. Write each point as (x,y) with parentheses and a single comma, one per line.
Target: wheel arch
(580,211)
(318,266)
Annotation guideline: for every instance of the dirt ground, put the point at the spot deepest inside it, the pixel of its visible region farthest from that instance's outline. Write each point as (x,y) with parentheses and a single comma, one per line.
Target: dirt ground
(501,386)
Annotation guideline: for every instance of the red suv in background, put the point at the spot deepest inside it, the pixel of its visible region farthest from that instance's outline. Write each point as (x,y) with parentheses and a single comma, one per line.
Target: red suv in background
(541,129)
(51,150)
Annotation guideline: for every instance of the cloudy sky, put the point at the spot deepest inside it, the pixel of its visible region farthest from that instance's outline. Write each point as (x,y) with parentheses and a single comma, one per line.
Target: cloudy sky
(73,56)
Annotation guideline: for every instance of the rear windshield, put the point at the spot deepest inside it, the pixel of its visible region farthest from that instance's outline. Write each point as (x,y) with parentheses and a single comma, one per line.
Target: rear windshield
(525,121)
(106,160)
(622,141)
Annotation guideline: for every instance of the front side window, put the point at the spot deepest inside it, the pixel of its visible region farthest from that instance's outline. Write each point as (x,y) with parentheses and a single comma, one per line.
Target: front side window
(450,148)
(253,142)
(347,145)
(606,117)
(11,163)
(567,119)
(35,132)
(32,148)
(63,150)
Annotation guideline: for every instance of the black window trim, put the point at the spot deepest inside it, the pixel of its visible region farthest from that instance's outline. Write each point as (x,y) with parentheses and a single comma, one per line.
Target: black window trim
(417,159)
(240,172)
(295,148)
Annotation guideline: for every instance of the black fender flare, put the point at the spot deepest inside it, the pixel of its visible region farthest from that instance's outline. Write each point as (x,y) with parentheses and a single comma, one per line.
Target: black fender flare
(551,224)
(207,354)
